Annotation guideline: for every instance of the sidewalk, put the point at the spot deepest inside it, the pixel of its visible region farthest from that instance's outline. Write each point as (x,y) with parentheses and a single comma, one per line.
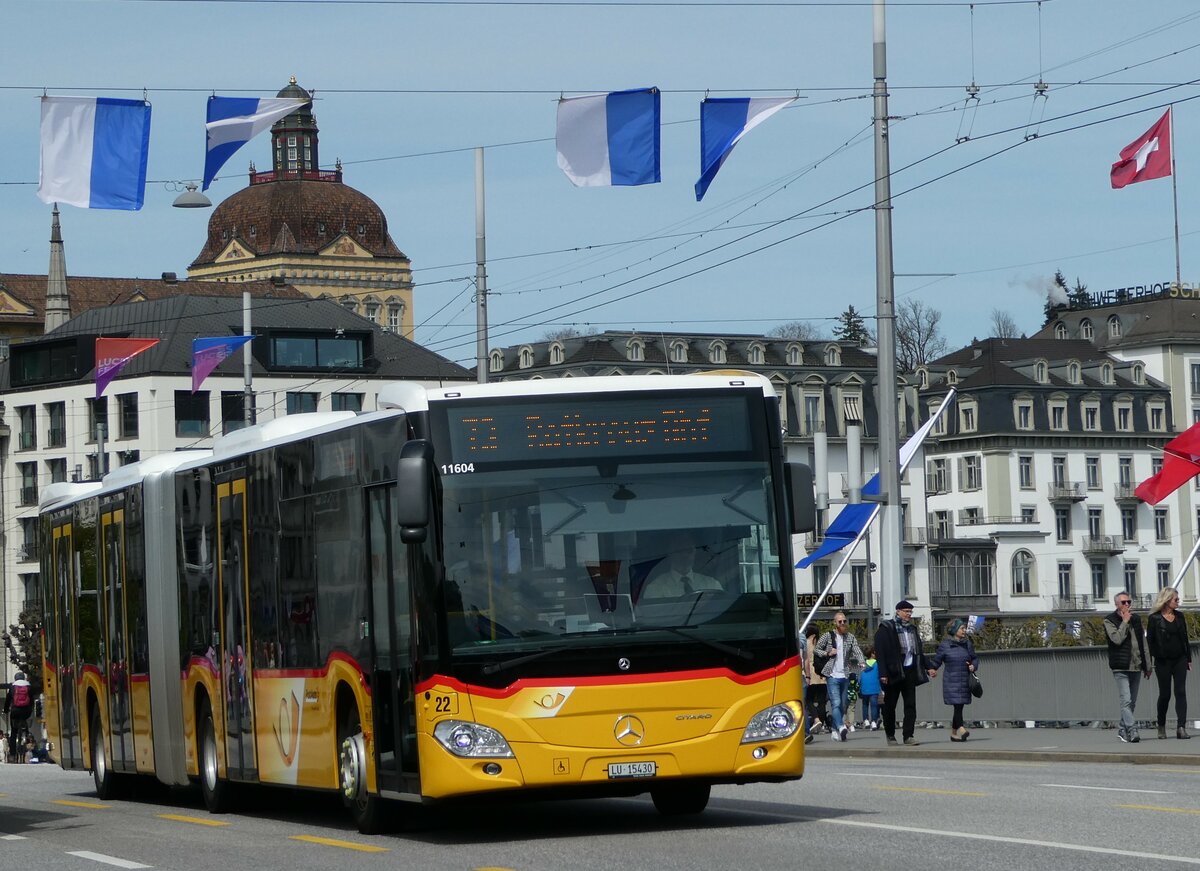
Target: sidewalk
(1076,744)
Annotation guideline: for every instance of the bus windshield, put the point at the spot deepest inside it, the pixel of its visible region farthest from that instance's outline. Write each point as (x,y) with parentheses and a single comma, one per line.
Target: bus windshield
(594,545)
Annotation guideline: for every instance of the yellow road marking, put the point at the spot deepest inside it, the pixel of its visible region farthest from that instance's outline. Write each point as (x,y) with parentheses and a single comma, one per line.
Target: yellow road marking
(200,821)
(1176,769)
(931,791)
(1166,810)
(347,845)
(70,803)
(1002,764)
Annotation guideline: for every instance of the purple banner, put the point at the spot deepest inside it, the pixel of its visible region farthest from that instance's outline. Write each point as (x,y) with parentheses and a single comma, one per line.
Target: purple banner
(207,355)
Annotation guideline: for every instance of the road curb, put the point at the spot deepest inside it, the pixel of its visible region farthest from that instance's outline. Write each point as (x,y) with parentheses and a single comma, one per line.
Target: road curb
(920,752)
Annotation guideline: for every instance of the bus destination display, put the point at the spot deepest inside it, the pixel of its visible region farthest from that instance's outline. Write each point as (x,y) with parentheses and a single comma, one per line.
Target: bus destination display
(601,427)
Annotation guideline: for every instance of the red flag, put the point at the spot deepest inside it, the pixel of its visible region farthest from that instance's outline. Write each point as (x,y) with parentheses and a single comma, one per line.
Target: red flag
(1147,157)
(113,354)
(1181,463)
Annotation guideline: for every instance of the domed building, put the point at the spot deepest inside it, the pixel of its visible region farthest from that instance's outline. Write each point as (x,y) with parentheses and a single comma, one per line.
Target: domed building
(301,225)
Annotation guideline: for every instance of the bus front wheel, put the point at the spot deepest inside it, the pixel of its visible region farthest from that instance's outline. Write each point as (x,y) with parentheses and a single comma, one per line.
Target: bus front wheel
(102,774)
(366,809)
(680,799)
(214,790)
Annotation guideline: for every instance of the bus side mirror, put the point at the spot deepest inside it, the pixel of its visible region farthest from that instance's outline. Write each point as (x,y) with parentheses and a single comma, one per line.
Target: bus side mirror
(414,478)
(802,503)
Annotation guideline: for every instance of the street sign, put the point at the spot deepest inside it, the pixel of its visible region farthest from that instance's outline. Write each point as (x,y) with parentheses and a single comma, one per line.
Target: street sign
(829,600)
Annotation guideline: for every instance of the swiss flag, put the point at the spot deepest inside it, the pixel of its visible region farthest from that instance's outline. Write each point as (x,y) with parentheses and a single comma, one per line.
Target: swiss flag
(1181,463)
(1147,157)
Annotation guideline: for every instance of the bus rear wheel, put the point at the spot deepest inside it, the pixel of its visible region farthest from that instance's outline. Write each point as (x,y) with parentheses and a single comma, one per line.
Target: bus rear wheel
(681,799)
(106,781)
(215,791)
(366,809)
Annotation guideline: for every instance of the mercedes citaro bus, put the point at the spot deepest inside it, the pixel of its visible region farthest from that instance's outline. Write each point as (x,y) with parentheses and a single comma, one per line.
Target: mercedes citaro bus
(576,587)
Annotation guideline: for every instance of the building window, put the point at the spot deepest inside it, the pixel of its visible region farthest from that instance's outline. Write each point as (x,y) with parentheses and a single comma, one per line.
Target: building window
(93,464)
(1162,573)
(1106,373)
(972,473)
(1058,469)
(29,483)
(97,417)
(858,585)
(57,469)
(496,361)
(1025,472)
(678,352)
(1139,374)
(1062,524)
(317,352)
(302,402)
(794,355)
(346,402)
(1095,522)
(635,350)
(951,377)
(1058,415)
(1125,471)
(1158,416)
(127,405)
(1092,465)
(233,410)
(1060,330)
(395,316)
(1124,416)
(1024,415)
(967,418)
(556,354)
(1041,373)
(1091,417)
(1160,525)
(820,576)
(937,479)
(833,356)
(526,358)
(1022,573)
(1099,582)
(1085,330)
(1029,514)
(716,353)
(1073,373)
(923,378)
(757,358)
(1129,524)
(371,312)
(1114,327)
(1064,581)
(1131,579)
(812,413)
(965,573)
(56,435)
(27,422)
(191,414)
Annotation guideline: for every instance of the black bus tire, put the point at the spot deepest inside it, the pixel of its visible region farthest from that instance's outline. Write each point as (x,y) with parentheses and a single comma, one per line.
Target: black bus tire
(102,773)
(367,810)
(216,792)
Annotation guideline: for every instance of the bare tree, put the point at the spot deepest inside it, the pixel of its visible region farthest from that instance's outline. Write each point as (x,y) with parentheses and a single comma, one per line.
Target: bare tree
(802,331)
(562,333)
(918,335)
(1003,325)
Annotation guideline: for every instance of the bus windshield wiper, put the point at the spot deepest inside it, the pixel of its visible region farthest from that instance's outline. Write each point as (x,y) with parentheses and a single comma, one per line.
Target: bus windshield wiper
(715,645)
(493,667)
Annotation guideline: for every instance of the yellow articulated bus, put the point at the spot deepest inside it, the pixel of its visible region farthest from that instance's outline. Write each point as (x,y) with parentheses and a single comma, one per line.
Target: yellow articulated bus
(581,587)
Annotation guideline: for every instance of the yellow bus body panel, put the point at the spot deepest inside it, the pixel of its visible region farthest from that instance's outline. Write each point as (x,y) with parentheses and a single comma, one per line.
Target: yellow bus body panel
(565,734)
(139,698)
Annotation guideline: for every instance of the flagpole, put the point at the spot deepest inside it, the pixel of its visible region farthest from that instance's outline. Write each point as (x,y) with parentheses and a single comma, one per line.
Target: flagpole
(481,320)
(1186,564)
(1175,197)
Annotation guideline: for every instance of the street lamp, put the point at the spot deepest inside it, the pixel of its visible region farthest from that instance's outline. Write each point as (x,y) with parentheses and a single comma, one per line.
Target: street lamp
(192,198)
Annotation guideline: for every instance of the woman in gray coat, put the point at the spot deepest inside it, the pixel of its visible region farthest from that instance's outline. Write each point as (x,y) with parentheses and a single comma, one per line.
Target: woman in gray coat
(957,653)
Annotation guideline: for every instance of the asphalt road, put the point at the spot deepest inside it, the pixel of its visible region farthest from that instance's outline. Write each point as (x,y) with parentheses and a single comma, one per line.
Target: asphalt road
(847,812)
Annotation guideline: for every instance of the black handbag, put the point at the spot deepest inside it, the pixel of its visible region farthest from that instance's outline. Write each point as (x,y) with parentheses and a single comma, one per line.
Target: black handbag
(975,685)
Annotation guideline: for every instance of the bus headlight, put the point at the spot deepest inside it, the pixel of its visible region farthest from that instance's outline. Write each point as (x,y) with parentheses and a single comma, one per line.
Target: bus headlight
(777,721)
(471,740)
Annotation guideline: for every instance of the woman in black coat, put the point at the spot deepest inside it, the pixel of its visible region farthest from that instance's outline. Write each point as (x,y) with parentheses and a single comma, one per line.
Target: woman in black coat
(1166,632)
(957,653)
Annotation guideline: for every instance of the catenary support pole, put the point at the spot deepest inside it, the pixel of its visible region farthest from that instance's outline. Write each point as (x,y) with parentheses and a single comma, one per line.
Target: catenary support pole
(481,322)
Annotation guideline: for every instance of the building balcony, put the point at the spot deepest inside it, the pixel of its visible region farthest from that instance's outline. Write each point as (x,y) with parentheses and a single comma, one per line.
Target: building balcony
(27,552)
(1103,545)
(1124,493)
(813,540)
(56,437)
(29,496)
(913,537)
(935,484)
(27,440)
(1068,491)
(1072,603)
(975,603)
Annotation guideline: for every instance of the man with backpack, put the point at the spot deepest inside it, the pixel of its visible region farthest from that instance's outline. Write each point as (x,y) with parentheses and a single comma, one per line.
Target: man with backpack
(18,704)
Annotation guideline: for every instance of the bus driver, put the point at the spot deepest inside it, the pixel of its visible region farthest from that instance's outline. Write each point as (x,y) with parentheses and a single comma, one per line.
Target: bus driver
(676,574)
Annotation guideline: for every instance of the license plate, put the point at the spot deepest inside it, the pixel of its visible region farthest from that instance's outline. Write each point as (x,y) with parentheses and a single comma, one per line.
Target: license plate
(632,769)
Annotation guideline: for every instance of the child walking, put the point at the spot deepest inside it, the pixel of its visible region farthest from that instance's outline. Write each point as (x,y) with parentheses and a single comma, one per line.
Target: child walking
(868,690)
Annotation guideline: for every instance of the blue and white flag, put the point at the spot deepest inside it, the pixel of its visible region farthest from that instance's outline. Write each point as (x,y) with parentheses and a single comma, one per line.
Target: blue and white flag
(610,139)
(234,121)
(849,526)
(723,122)
(94,152)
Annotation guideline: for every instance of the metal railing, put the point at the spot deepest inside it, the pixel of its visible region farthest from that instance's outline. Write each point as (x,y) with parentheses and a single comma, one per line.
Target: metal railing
(28,552)
(1103,544)
(1069,490)
(27,440)
(56,437)
(1060,684)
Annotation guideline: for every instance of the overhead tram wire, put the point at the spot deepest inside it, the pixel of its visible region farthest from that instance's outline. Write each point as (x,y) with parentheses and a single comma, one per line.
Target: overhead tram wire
(665,4)
(904,192)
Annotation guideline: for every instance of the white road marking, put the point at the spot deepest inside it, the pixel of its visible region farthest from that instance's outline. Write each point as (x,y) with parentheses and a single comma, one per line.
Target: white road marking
(107,860)
(1106,788)
(1028,842)
(895,776)
(12,837)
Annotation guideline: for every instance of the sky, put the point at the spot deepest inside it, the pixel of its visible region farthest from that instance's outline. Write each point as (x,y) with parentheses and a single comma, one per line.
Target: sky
(990,196)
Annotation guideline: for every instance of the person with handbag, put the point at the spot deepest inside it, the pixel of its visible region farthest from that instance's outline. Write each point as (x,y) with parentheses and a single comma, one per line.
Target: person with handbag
(903,667)
(1166,632)
(957,654)
(816,693)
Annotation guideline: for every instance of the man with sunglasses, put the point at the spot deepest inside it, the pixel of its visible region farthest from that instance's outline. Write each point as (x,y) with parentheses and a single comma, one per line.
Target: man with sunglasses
(845,659)
(1129,659)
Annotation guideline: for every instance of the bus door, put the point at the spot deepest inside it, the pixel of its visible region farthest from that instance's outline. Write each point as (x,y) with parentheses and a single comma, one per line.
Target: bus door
(233,583)
(70,750)
(390,632)
(114,648)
